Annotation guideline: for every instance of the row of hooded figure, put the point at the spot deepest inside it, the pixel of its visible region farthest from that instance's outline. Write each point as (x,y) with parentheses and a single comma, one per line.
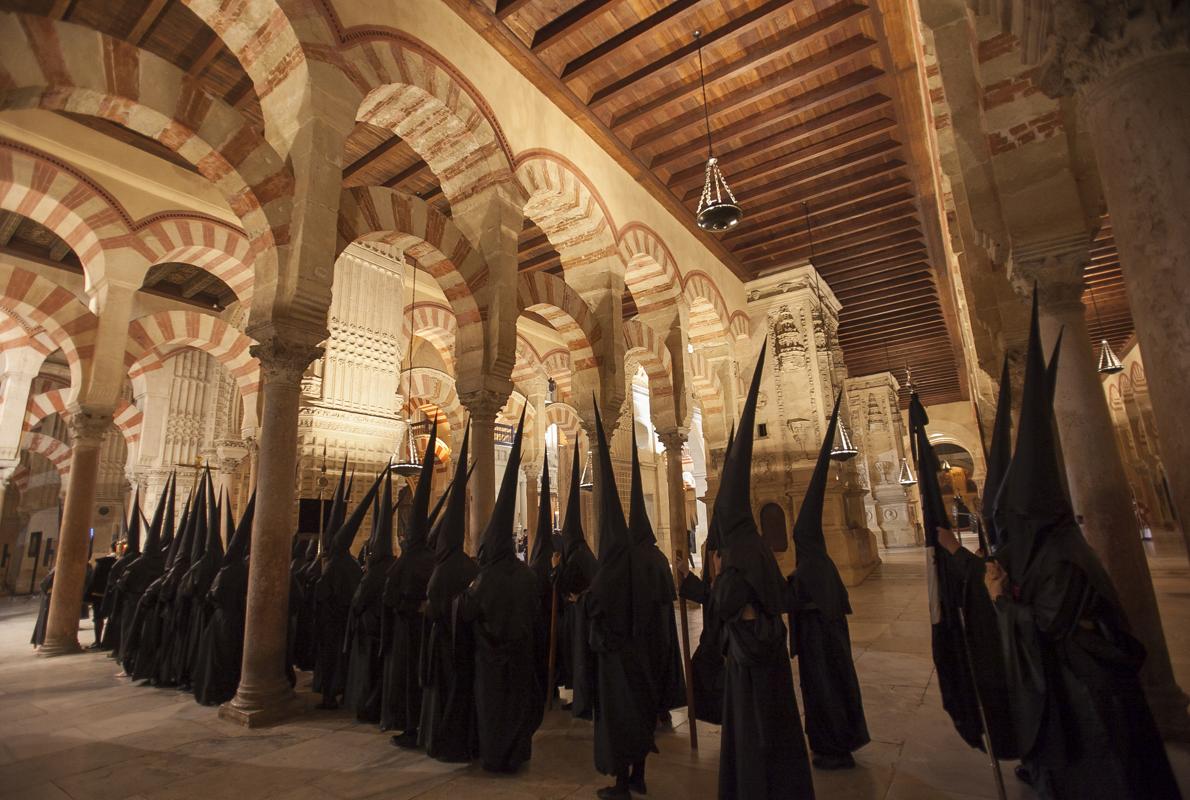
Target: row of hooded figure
(460,656)
(174,603)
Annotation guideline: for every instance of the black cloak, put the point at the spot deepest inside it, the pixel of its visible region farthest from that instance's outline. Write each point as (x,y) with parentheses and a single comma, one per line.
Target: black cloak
(140,574)
(504,608)
(576,572)
(113,606)
(1084,725)
(448,729)
(404,596)
(541,558)
(819,637)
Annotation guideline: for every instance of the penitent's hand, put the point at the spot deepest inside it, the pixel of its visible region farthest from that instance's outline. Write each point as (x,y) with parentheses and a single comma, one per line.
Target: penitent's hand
(949,542)
(683,568)
(994,579)
(555,559)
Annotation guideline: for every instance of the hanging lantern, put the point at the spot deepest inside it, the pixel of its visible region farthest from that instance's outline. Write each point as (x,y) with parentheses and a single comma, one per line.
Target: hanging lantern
(843,450)
(406,463)
(906,477)
(944,466)
(717,208)
(1108,363)
(587,481)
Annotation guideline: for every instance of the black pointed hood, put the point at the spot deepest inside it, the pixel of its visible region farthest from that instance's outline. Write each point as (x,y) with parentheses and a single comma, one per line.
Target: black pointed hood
(345,535)
(497,542)
(204,511)
(432,522)
(999,455)
(337,511)
(614,537)
(572,525)
(238,544)
(167,529)
(714,540)
(1051,369)
(541,557)
(419,521)
(743,551)
(816,575)
(179,546)
(380,546)
(639,527)
(229,521)
(1032,499)
(933,508)
(132,536)
(451,533)
(152,543)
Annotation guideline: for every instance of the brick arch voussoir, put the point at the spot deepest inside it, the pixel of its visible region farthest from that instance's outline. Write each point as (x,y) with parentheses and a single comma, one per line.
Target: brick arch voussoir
(66,321)
(568,209)
(563,307)
(652,272)
(642,344)
(209,244)
(54,450)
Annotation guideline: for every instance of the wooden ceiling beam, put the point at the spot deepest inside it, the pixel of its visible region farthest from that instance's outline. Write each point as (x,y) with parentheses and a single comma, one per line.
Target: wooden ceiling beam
(912,267)
(833,201)
(592,58)
(197,284)
(9,222)
(792,195)
(367,158)
(540,262)
(828,59)
(778,138)
(694,176)
(145,22)
(897,227)
(899,245)
(935,326)
(829,230)
(506,8)
(409,172)
(206,57)
(59,250)
(764,50)
(567,23)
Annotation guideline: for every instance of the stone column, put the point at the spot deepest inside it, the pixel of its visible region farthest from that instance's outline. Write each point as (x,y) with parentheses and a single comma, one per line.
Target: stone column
(264,694)
(674,441)
(1129,72)
(87,429)
(532,473)
(1094,470)
(21,366)
(483,406)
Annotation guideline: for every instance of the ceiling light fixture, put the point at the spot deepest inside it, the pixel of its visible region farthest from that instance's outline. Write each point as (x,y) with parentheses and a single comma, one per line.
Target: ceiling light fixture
(405,461)
(717,208)
(1109,364)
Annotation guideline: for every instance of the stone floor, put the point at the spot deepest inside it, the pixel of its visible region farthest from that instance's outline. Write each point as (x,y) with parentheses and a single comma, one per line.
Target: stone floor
(69,728)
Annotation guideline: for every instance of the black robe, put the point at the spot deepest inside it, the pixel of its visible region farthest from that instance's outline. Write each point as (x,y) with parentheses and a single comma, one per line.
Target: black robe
(1083,722)
(191,614)
(821,642)
(577,571)
(660,632)
(332,604)
(505,608)
(97,583)
(172,611)
(135,582)
(365,665)
(404,594)
(43,610)
(706,664)
(762,751)
(305,643)
(147,635)
(449,729)
(112,608)
(221,647)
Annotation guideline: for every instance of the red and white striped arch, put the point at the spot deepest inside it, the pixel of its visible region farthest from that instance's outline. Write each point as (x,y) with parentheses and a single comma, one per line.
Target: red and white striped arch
(66,321)
(437,388)
(435,324)
(710,322)
(59,66)
(708,392)
(126,417)
(56,451)
(154,338)
(558,366)
(16,332)
(643,344)
(741,327)
(652,275)
(566,418)
(554,300)
(419,231)
(209,244)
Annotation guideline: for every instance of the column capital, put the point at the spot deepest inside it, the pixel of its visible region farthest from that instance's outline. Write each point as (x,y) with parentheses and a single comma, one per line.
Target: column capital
(673,439)
(1095,41)
(88,427)
(483,404)
(282,360)
(1055,266)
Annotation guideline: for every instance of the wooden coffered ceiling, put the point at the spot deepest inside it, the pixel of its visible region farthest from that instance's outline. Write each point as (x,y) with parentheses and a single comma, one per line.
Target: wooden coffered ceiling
(1108,314)
(803,110)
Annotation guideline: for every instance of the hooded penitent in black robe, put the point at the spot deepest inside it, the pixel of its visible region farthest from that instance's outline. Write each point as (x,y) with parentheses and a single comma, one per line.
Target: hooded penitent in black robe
(541,562)
(173,606)
(113,600)
(333,594)
(404,596)
(191,610)
(305,644)
(96,590)
(221,646)
(43,610)
(448,729)
(362,691)
(658,632)
(1083,722)
(763,752)
(576,572)
(819,637)
(140,574)
(626,704)
(332,519)
(148,637)
(504,607)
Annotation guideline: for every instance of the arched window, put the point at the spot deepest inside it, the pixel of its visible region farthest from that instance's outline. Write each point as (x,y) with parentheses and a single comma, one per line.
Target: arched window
(772,527)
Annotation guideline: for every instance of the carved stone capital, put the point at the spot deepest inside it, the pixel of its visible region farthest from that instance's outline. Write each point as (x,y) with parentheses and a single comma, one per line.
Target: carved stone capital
(87,428)
(1055,267)
(1094,41)
(483,404)
(673,439)
(282,361)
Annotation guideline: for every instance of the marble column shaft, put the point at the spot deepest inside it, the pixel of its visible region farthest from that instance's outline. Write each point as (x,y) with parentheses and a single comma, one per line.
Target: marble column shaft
(264,693)
(481,488)
(87,430)
(678,540)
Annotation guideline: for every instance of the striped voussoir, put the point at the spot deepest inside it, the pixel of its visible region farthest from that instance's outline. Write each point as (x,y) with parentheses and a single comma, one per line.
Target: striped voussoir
(652,275)
(558,365)
(434,323)
(568,210)
(709,319)
(42,304)
(559,304)
(56,451)
(566,418)
(643,344)
(432,386)
(126,417)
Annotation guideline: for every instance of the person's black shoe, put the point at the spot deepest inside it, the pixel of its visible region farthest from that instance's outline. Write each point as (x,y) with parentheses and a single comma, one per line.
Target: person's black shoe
(1023,774)
(407,740)
(834,762)
(616,792)
(638,786)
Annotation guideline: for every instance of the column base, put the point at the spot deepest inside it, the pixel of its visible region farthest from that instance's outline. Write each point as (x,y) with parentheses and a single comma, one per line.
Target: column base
(262,712)
(62,647)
